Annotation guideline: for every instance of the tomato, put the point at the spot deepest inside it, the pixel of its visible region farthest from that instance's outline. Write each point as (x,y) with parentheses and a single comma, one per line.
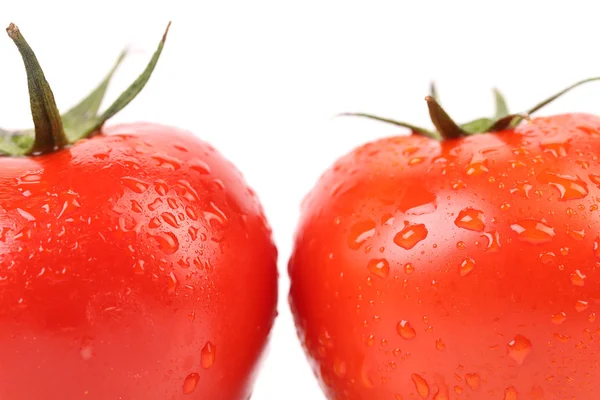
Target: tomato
(135,263)
(463,268)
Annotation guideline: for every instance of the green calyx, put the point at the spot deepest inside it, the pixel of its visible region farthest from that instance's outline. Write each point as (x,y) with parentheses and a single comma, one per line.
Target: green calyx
(53,131)
(447,129)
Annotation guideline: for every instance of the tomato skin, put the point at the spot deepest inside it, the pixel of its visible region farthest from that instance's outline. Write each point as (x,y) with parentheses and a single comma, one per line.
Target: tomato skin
(134,265)
(462,269)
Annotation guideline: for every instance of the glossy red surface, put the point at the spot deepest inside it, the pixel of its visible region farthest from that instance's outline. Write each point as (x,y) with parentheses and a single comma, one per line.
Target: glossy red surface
(134,265)
(466,269)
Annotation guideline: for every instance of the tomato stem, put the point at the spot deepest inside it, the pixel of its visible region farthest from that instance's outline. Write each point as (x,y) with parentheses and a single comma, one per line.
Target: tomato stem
(54,131)
(447,128)
(49,132)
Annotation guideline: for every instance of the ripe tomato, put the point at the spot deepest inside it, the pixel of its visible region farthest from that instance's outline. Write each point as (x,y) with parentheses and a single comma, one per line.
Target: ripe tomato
(465,268)
(134,264)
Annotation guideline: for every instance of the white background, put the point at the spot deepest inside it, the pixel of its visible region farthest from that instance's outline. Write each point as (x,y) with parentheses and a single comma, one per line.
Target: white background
(263,80)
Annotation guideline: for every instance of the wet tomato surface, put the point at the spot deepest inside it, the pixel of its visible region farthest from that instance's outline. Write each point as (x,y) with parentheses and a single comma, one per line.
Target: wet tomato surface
(136,264)
(461,269)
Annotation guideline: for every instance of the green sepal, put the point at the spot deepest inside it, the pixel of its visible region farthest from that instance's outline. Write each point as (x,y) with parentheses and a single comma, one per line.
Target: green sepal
(477,126)
(77,120)
(501,107)
(415,129)
(448,129)
(16,143)
(82,120)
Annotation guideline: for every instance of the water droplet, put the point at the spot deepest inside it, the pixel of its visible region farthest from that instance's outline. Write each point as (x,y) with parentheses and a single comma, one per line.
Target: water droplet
(171,283)
(25,214)
(172,203)
(155,204)
(24,234)
(412,234)
(187,191)
(576,234)
(189,211)
(136,207)
(416,160)
(458,185)
(595,179)
(161,187)
(190,383)
(533,231)
(547,257)
(405,330)
(583,164)
(577,278)
(440,345)
(170,219)
(200,166)
(569,187)
(477,166)
(597,247)
(493,241)
(86,350)
(461,245)
(522,189)
(139,267)
(137,185)
(505,207)
(581,305)
(216,215)
(510,393)
(180,148)
(101,156)
(562,338)
(360,232)
(558,150)
(409,268)
(379,267)
(558,318)
(167,242)
(370,342)
(471,219)
(421,385)
(340,368)
(519,348)
(416,201)
(466,266)
(592,317)
(473,381)
(207,355)
(31,178)
(154,223)
(167,161)
(193,232)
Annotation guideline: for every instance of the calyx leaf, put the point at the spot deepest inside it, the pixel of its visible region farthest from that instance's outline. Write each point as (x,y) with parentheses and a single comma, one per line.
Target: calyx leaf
(53,131)
(446,128)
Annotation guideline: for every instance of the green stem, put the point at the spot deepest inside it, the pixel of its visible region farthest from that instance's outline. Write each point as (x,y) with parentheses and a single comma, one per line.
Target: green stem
(49,133)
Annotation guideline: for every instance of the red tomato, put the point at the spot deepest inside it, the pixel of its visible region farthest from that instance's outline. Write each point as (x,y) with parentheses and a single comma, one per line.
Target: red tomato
(133,265)
(135,262)
(461,269)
